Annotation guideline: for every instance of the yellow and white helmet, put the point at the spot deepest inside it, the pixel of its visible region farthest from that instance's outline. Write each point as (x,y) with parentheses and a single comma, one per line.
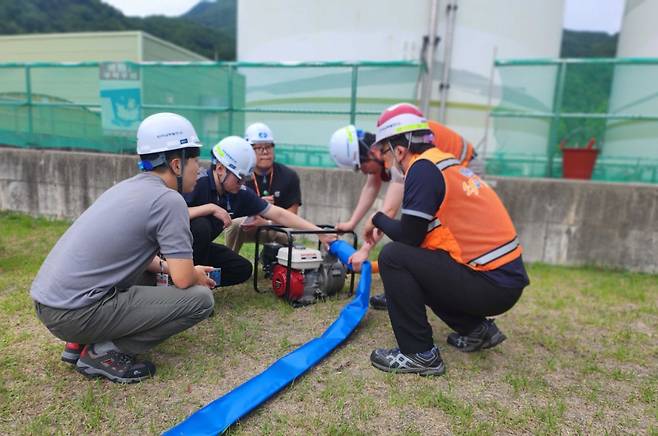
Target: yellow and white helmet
(236,155)
(344,148)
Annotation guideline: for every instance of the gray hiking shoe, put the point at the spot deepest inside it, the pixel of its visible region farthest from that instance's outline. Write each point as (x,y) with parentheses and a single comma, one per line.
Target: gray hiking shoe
(114,365)
(71,352)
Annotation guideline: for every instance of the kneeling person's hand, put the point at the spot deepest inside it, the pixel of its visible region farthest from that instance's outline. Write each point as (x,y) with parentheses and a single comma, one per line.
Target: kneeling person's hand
(202,276)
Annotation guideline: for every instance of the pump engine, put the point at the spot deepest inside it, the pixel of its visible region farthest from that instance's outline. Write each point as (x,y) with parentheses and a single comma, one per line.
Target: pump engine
(313,275)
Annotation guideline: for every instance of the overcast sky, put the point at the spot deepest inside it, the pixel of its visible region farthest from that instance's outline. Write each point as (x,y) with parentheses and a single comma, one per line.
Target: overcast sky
(602,15)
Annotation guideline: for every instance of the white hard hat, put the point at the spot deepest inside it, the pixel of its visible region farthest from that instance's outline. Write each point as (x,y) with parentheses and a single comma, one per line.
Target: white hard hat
(236,155)
(165,132)
(258,133)
(399,119)
(344,147)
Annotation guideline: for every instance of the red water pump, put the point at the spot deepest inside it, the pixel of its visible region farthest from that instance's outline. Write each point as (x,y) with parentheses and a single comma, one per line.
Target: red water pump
(279,281)
(299,274)
(313,275)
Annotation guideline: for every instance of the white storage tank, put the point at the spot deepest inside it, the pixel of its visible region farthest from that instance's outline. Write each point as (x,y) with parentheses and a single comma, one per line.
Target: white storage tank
(639,33)
(383,30)
(633,143)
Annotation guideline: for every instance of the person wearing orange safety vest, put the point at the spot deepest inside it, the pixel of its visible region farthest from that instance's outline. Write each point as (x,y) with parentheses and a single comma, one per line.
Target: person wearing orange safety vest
(449,141)
(352,149)
(454,250)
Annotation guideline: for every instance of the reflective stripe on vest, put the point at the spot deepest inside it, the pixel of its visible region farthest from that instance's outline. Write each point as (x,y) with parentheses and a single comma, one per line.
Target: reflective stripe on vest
(447,163)
(433,224)
(496,253)
(464,150)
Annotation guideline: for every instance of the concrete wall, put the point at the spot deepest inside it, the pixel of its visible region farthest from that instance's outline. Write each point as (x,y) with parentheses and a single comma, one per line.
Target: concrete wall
(559,222)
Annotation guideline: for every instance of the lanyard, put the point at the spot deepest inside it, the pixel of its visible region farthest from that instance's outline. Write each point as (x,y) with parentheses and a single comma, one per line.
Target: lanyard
(253,176)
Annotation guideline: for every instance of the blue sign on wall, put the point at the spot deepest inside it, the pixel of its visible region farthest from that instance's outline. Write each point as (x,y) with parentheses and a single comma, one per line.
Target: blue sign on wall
(120,92)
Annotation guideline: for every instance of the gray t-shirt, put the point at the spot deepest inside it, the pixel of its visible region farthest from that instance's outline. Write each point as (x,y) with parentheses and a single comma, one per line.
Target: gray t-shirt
(112,243)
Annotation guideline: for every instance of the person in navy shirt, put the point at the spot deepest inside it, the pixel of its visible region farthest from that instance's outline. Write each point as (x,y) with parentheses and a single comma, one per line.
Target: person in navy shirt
(220,196)
(454,250)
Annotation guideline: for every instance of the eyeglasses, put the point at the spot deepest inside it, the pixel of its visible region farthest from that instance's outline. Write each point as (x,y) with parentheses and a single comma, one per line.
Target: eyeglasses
(262,149)
(240,180)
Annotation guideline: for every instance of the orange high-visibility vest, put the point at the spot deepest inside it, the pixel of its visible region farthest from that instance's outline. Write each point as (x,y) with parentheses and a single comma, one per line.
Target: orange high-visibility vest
(471,224)
(449,141)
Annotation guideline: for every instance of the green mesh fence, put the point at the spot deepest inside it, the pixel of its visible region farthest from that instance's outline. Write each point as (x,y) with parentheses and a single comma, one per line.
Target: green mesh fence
(97,106)
(546,103)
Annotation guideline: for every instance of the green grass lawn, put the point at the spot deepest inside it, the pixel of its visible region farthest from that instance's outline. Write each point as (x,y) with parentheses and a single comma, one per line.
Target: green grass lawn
(582,357)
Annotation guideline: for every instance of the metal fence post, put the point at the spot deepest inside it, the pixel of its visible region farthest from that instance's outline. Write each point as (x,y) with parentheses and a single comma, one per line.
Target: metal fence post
(230,99)
(355,79)
(551,149)
(28,92)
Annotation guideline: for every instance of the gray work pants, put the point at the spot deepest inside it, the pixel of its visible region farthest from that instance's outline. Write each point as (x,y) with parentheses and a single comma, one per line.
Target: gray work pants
(136,319)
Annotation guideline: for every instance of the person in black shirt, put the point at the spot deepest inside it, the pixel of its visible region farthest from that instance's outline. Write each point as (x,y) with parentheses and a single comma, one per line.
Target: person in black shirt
(274,182)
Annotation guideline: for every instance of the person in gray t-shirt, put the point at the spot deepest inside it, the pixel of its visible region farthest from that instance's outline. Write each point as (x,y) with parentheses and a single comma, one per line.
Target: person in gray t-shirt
(88,290)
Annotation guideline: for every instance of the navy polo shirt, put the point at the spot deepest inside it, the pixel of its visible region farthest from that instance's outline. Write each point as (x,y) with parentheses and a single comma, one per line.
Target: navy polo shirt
(424,191)
(244,203)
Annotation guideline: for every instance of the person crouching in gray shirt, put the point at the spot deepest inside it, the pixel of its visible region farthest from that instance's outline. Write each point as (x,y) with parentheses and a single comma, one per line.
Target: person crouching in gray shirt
(88,289)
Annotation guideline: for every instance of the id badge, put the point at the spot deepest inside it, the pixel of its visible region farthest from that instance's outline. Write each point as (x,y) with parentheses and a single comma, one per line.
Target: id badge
(162,279)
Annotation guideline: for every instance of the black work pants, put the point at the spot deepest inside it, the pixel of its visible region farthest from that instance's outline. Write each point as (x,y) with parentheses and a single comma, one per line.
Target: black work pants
(235,268)
(415,277)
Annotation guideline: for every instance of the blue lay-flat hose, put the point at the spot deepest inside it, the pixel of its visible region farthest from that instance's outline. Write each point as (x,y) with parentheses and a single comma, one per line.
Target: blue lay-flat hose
(217,416)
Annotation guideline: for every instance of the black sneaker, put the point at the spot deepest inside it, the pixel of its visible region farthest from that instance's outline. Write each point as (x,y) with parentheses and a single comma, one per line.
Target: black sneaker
(378,302)
(486,335)
(114,365)
(427,363)
(71,352)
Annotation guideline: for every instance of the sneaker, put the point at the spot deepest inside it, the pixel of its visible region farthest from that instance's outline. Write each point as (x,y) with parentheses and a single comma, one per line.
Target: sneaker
(486,335)
(378,302)
(114,365)
(427,363)
(71,352)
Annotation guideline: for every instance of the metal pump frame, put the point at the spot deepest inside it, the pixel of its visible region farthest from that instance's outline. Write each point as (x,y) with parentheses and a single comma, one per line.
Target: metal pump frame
(291,233)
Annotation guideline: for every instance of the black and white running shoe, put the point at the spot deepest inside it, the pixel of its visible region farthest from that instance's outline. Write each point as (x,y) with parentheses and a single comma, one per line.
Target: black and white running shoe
(486,335)
(427,363)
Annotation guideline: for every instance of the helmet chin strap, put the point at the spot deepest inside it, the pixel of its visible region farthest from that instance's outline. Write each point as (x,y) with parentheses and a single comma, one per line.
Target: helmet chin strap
(397,164)
(221,182)
(179,177)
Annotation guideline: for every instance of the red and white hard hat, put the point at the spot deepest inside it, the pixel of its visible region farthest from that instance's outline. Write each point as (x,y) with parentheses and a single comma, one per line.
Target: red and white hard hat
(399,119)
